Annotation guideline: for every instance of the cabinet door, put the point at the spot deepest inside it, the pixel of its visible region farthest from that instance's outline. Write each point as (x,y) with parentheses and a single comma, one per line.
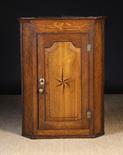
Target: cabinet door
(63,64)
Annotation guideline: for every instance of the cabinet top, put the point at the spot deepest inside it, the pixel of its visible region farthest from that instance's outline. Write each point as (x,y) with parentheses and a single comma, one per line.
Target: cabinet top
(62,17)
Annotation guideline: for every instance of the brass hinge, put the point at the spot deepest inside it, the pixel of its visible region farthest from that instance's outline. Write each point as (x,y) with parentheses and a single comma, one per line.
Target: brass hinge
(89,115)
(88,47)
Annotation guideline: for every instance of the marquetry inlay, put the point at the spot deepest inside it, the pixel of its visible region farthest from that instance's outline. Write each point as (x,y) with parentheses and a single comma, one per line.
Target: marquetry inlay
(63,81)
(59,26)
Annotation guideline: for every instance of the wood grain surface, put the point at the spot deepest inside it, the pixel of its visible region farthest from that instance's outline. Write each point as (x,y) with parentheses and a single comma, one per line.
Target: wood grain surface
(57,51)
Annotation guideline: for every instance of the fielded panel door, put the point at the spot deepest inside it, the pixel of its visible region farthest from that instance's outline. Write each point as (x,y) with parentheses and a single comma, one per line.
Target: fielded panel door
(63,75)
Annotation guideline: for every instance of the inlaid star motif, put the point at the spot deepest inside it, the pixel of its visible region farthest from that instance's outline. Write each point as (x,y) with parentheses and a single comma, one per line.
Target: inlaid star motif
(63,82)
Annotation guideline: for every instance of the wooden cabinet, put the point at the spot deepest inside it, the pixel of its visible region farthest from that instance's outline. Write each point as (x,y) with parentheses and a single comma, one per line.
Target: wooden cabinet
(62,76)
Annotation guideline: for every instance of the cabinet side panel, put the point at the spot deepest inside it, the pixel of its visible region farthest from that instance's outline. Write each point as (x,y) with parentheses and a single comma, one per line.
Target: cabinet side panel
(99,78)
(26,71)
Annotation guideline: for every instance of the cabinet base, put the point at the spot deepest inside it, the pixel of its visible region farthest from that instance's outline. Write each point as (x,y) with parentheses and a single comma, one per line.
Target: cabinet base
(61,136)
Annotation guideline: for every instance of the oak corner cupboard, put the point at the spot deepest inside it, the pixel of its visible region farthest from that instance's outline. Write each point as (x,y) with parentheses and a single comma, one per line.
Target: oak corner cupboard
(62,76)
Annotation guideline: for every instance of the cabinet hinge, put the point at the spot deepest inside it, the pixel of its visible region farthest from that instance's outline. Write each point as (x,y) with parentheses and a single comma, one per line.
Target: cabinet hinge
(88,47)
(89,115)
